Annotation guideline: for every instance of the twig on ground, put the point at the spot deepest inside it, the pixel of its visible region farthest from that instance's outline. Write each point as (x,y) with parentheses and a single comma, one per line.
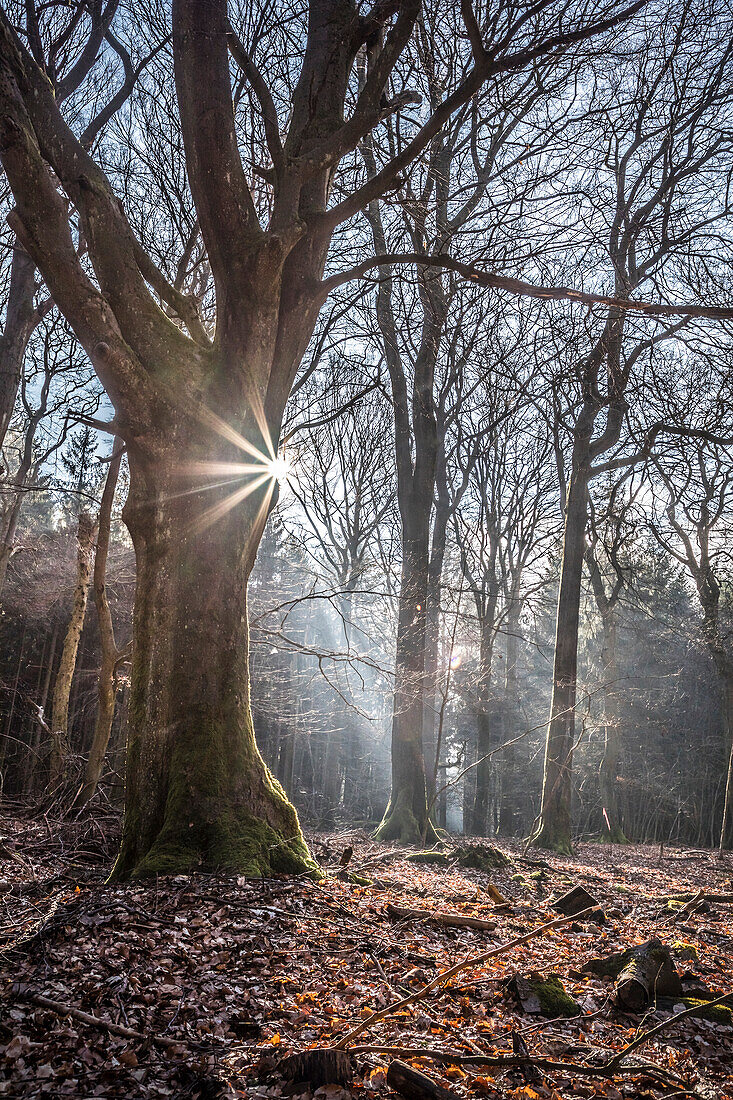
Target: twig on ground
(98,1022)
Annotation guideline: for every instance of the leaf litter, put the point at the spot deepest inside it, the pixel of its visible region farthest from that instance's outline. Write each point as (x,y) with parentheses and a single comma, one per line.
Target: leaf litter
(202,986)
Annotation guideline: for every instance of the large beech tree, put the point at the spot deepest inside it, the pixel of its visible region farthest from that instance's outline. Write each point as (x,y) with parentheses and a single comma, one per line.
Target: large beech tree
(195,401)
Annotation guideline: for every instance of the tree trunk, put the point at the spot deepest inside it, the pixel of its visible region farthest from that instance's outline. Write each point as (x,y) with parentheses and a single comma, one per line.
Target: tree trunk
(480,815)
(554,827)
(726,827)
(199,796)
(20,320)
(611,829)
(406,816)
(508,809)
(62,690)
(107,686)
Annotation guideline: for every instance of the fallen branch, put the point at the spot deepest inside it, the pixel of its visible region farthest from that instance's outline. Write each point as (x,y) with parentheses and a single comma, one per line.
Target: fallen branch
(497,1061)
(448,920)
(445,975)
(97,1021)
(614,1063)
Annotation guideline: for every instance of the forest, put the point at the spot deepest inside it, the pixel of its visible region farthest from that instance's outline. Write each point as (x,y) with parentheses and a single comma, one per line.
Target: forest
(366,585)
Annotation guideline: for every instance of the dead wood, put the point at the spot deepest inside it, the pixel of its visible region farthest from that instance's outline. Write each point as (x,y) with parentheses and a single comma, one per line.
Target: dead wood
(575,900)
(648,972)
(448,920)
(614,1064)
(516,1061)
(96,1021)
(414,1085)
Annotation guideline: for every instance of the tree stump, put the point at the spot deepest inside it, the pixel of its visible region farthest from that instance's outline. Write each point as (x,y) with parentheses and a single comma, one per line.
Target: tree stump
(320,1066)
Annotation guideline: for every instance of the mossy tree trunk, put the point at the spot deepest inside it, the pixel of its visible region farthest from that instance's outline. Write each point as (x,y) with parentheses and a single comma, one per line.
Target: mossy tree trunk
(86,533)
(406,816)
(199,795)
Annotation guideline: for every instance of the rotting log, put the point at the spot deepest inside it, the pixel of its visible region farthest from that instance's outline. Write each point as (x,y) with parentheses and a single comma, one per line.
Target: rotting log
(648,973)
(414,1085)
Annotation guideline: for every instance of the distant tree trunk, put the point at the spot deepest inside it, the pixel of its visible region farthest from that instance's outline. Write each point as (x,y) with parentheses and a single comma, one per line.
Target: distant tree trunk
(32,778)
(111,656)
(432,637)
(726,827)
(7,546)
(14,696)
(508,810)
(611,829)
(406,816)
(484,767)
(554,830)
(86,533)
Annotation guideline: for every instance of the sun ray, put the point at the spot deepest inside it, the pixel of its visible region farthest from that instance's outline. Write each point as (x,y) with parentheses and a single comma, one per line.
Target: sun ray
(219,510)
(226,431)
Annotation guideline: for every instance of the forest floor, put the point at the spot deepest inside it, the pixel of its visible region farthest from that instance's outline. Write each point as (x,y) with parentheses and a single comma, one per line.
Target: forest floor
(197,986)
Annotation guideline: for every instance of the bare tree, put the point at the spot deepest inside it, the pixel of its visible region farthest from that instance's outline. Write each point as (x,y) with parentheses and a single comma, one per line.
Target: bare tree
(662,121)
(190,398)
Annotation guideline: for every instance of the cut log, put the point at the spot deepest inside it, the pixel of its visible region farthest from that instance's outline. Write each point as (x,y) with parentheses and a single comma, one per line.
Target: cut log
(448,920)
(575,901)
(320,1066)
(414,1085)
(648,973)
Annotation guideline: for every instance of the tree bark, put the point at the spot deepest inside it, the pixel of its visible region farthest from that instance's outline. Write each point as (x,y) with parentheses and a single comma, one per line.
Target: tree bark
(20,320)
(554,828)
(86,533)
(199,795)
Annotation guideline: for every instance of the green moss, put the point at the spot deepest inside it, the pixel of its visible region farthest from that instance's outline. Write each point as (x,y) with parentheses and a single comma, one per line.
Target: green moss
(717,1014)
(436,858)
(399,823)
(687,952)
(354,879)
(554,1001)
(207,826)
(615,836)
(482,857)
(553,839)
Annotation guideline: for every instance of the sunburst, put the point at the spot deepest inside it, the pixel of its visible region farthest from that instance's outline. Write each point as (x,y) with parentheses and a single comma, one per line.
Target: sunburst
(267,469)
